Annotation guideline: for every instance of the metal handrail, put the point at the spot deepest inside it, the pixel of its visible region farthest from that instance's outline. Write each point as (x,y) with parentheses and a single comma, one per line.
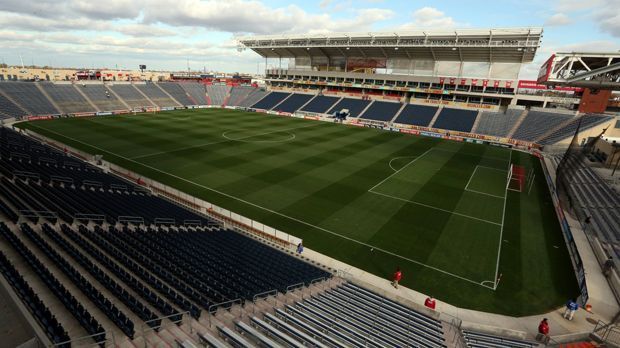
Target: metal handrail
(216,306)
(74,340)
(161,320)
(294,287)
(265,295)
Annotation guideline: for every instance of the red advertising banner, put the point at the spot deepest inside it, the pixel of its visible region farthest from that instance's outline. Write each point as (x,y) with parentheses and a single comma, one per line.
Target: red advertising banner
(452,79)
(442,80)
(495,83)
(531,84)
(508,84)
(485,83)
(474,82)
(463,81)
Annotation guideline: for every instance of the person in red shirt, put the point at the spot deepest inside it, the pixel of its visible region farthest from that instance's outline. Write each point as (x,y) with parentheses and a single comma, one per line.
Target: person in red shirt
(543,331)
(430,302)
(396,278)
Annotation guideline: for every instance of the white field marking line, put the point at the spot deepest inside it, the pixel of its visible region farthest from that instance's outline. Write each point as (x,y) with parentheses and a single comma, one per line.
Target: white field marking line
(436,208)
(501,231)
(396,172)
(291,136)
(480,192)
(395,158)
(218,142)
(269,210)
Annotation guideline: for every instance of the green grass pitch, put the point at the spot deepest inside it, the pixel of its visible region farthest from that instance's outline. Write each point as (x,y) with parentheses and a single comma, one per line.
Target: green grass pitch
(438,209)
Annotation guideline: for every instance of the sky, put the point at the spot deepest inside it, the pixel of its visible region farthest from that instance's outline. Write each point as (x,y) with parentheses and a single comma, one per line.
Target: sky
(172,34)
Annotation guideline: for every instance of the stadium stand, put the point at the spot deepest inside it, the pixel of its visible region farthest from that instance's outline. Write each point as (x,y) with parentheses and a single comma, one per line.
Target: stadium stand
(155,94)
(29,97)
(271,100)
(76,308)
(351,316)
(8,109)
(417,115)
(177,92)
(381,111)
(67,98)
(196,91)
(253,97)
(476,339)
(355,106)
(537,123)
(596,199)
(498,124)
(239,93)
(566,131)
(53,329)
(130,95)
(320,104)
(217,93)
(101,97)
(293,103)
(455,119)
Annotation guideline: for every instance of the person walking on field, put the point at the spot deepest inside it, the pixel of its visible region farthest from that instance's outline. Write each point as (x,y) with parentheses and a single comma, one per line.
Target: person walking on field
(571,308)
(397,277)
(543,331)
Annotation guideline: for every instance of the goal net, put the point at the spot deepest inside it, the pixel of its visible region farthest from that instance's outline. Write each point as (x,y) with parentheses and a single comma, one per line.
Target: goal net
(516,178)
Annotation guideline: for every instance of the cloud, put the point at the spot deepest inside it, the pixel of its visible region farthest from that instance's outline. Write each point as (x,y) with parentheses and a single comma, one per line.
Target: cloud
(429,17)
(142,30)
(608,17)
(558,19)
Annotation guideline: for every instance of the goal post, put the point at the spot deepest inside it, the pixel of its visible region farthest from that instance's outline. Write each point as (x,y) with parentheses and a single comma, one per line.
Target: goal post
(517,177)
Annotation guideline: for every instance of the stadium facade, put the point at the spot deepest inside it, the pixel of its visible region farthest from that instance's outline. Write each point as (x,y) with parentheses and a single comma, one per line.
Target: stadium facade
(471,68)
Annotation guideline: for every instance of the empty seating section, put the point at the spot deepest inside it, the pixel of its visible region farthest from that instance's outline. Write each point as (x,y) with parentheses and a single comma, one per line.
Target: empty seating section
(349,316)
(568,130)
(294,102)
(271,100)
(217,93)
(239,93)
(29,97)
(417,115)
(381,111)
(595,198)
(320,104)
(67,98)
(177,92)
(155,94)
(498,124)
(59,183)
(355,106)
(131,95)
(100,96)
(477,339)
(253,97)
(197,92)
(537,123)
(455,119)
(86,320)
(8,109)
(53,329)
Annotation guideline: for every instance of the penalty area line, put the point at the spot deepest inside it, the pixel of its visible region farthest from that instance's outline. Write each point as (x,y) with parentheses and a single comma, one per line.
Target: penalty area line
(271,211)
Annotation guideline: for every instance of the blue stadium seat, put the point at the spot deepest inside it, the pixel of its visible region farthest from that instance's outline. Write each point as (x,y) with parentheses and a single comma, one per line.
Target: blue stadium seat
(456,119)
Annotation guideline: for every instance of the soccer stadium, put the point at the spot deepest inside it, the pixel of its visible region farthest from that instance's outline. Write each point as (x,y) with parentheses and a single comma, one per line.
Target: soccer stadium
(150,209)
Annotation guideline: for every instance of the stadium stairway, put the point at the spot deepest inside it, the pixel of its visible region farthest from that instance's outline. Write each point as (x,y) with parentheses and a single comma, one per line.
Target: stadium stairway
(144,95)
(398,113)
(14,103)
(365,109)
(90,102)
(118,97)
(474,127)
(51,100)
(434,119)
(517,124)
(168,94)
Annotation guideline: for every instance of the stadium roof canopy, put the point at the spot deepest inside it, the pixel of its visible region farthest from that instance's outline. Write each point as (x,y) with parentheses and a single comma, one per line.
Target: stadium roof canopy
(512,45)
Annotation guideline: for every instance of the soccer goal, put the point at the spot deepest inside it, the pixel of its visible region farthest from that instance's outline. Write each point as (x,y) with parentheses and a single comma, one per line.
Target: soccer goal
(518,178)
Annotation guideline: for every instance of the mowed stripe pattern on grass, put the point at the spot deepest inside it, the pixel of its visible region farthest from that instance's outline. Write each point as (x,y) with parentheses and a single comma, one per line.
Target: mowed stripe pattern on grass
(321,177)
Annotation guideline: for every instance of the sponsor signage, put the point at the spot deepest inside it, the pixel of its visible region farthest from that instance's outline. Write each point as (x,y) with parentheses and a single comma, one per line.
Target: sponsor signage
(104,113)
(531,84)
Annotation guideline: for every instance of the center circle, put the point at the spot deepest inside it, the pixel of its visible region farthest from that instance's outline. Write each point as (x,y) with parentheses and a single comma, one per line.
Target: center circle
(266,137)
